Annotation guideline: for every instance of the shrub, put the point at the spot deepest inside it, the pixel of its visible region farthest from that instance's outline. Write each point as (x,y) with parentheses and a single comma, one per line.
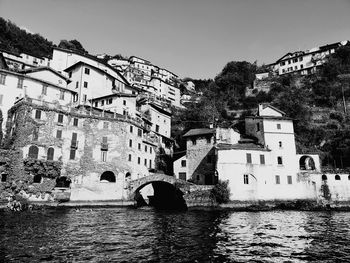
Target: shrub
(221,192)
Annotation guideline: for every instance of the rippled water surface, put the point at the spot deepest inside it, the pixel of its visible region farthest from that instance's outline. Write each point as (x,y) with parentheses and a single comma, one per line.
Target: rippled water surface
(129,235)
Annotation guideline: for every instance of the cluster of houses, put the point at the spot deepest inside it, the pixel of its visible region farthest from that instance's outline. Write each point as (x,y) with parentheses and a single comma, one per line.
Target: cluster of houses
(103,124)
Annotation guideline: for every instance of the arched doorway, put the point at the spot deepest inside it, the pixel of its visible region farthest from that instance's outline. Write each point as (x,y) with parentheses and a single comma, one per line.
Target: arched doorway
(107,177)
(33,152)
(306,163)
(63,182)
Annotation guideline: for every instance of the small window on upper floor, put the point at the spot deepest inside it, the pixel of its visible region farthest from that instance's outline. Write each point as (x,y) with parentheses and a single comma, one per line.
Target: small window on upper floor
(38,114)
(245,179)
(61,94)
(278,126)
(183,163)
(278,179)
(85,84)
(75,122)
(262,159)
(279,160)
(280,144)
(337,177)
(102,102)
(249,157)
(2,79)
(194,141)
(208,140)
(289,179)
(139,132)
(96,104)
(20,83)
(44,90)
(70,74)
(258,127)
(124,102)
(87,71)
(60,118)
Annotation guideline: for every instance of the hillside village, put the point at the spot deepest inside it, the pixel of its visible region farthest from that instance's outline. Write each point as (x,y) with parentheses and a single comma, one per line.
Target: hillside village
(81,127)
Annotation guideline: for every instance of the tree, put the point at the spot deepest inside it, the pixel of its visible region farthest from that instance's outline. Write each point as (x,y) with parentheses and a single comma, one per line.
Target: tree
(72,45)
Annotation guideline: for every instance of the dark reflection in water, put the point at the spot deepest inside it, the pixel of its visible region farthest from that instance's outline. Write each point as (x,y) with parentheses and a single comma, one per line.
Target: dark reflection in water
(128,235)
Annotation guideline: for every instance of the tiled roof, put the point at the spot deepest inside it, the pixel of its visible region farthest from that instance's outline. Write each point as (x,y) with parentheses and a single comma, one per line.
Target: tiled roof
(196,132)
(46,68)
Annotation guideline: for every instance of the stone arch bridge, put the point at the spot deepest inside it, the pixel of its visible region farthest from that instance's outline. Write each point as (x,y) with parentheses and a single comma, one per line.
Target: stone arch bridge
(193,194)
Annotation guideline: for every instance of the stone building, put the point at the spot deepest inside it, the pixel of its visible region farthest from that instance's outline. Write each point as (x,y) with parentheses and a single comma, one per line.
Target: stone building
(98,151)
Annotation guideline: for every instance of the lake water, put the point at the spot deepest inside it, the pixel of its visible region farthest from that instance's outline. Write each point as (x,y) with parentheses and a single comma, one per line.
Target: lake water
(146,235)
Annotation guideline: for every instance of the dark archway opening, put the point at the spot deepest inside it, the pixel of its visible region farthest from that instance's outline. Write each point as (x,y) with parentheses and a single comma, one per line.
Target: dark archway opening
(107,176)
(306,163)
(63,182)
(324,177)
(166,197)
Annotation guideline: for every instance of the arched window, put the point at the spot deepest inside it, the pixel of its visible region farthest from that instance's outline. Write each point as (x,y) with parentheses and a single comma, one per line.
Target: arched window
(50,154)
(337,177)
(128,174)
(37,179)
(33,152)
(324,177)
(107,176)
(306,163)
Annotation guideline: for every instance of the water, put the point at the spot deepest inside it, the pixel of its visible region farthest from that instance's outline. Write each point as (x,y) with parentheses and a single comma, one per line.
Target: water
(128,235)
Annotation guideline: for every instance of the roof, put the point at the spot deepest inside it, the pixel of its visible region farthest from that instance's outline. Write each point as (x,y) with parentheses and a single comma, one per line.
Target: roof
(81,63)
(95,59)
(197,132)
(114,95)
(46,68)
(269,117)
(160,109)
(274,108)
(36,79)
(139,58)
(242,146)
(3,63)
(179,156)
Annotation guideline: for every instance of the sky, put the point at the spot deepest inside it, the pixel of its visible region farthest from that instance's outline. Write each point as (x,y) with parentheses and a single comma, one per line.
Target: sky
(192,38)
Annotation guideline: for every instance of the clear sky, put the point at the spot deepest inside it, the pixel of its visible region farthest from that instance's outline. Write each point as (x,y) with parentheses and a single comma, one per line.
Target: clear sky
(194,38)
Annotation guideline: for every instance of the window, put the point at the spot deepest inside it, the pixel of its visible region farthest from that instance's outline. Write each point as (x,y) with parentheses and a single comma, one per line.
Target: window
(37,179)
(289,179)
(324,177)
(75,122)
(124,102)
(130,143)
(258,127)
(278,179)
(85,84)
(84,98)
(72,154)
(59,134)
(44,90)
(35,134)
(61,94)
(139,132)
(105,125)
(282,63)
(145,148)
(3,177)
(278,126)
(208,140)
(157,128)
(337,177)
(2,79)
(194,142)
(279,160)
(301,66)
(103,156)
(131,129)
(96,104)
(301,59)
(1,98)
(109,101)
(87,71)
(150,149)
(129,157)
(249,158)
(145,162)
(102,102)
(138,160)
(77,84)
(38,114)
(70,74)
(60,118)
(183,163)
(50,154)
(33,152)
(20,83)
(150,164)
(182,176)
(246,179)
(280,144)
(262,159)
(139,146)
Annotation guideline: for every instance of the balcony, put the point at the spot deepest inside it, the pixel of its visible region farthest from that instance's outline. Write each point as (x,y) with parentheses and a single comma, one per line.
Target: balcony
(74,145)
(104,146)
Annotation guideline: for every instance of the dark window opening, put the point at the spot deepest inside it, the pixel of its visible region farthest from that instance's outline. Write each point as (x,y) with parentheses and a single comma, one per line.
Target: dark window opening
(246,179)
(337,177)
(37,179)
(63,182)
(33,152)
(324,177)
(50,154)
(249,158)
(3,177)
(108,176)
(279,160)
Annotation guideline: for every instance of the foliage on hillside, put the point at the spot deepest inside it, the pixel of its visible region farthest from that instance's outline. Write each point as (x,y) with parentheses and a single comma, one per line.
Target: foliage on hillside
(300,97)
(17,40)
